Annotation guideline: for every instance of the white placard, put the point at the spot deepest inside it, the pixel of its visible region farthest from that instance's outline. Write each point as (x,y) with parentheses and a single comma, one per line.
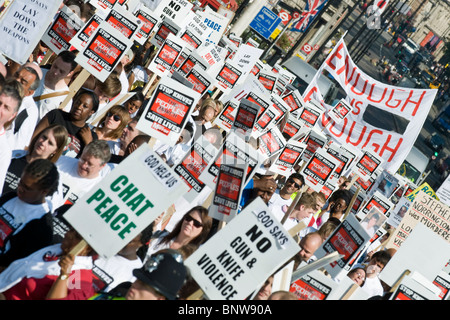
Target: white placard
(168,111)
(23,26)
(126,201)
(267,246)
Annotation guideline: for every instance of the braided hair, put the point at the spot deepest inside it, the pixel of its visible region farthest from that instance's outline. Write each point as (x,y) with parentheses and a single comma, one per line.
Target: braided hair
(46,174)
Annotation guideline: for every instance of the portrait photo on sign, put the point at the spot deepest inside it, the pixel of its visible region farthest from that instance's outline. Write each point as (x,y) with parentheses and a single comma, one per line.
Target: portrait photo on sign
(373,221)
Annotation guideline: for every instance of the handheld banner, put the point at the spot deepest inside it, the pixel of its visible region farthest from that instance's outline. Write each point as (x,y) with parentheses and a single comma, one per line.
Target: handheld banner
(288,158)
(228,76)
(340,111)
(168,111)
(373,220)
(167,55)
(410,289)
(225,119)
(148,25)
(83,35)
(228,191)
(265,121)
(378,201)
(163,29)
(246,116)
(175,10)
(310,114)
(368,164)
(313,286)
(314,141)
(191,61)
(103,52)
(347,239)
(193,164)
(341,156)
(292,127)
(124,22)
(62,30)
(23,25)
(262,99)
(319,169)
(399,212)
(267,246)
(271,142)
(425,210)
(235,147)
(216,23)
(201,80)
(126,201)
(294,100)
(280,106)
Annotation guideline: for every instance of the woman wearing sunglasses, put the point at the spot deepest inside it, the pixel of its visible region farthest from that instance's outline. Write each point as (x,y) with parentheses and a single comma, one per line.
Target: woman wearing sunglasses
(111,126)
(189,233)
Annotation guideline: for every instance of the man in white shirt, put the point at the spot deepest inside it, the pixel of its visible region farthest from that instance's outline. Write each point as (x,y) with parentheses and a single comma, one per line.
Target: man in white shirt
(372,285)
(78,176)
(53,89)
(10,101)
(22,128)
(282,198)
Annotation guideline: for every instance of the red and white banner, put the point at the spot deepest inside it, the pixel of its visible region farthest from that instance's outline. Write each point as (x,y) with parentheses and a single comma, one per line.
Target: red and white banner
(412,105)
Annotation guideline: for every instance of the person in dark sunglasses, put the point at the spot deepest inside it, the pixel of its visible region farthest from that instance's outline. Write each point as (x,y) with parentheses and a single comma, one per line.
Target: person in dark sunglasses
(282,198)
(192,230)
(111,125)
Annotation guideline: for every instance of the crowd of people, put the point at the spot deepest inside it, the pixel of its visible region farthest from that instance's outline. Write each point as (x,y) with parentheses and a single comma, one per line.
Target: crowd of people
(52,155)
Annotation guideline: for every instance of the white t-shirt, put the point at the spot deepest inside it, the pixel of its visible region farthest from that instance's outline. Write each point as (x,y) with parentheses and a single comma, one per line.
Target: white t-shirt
(115,270)
(373,287)
(124,81)
(45,105)
(72,186)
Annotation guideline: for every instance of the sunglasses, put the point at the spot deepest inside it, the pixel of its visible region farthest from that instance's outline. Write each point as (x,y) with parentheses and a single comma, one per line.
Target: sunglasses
(197,223)
(115,116)
(294,183)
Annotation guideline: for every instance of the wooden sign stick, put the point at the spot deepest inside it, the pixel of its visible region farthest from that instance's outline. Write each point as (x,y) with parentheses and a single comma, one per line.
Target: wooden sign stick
(350,205)
(78,248)
(149,84)
(47,57)
(294,203)
(396,284)
(75,86)
(197,295)
(350,291)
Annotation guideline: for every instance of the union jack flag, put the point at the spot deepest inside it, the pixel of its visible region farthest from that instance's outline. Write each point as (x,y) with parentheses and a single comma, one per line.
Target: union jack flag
(312,8)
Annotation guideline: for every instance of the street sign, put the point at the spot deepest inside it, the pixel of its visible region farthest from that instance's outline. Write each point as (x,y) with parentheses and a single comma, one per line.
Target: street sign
(265,22)
(307,48)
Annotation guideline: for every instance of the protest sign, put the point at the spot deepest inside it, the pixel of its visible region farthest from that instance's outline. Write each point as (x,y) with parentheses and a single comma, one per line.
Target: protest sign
(385,184)
(271,142)
(246,57)
(442,281)
(313,286)
(104,6)
(228,76)
(319,169)
(268,79)
(126,201)
(228,191)
(310,114)
(216,23)
(225,119)
(83,35)
(103,52)
(191,61)
(196,32)
(240,257)
(365,185)
(212,56)
(364,93)
(193,164)
(358,200)
(175,10)
(163,29)
(293,127)
(262,99)
(347,239)
(294,100)
(314,141)
(424,187)
(378,201)
(411,288)
(341,155)
(280,106)
(398,212)
(368,164)
(200,79)
(422,251)
(234,146)
(373,220)
(62,30)
(257,68)
(246,116)
(148,25)
(164,61)
(265,121)
(340,111)
(168,111)
(124,22)
(443,192)
(23,25)
(425,210)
